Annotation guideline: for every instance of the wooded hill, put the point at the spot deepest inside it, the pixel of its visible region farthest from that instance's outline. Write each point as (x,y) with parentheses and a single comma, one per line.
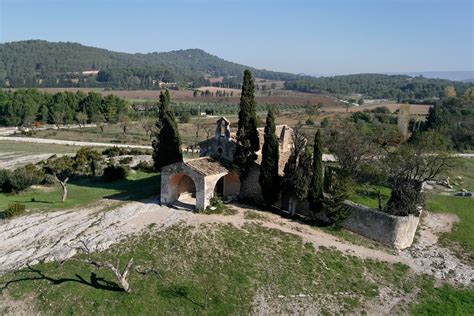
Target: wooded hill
(379,86)
(37,63)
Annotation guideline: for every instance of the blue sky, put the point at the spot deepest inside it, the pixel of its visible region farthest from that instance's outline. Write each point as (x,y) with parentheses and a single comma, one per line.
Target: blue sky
(313,37)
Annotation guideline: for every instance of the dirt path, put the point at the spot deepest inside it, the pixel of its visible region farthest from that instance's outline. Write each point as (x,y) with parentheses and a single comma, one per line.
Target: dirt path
(49,236)
(68,142)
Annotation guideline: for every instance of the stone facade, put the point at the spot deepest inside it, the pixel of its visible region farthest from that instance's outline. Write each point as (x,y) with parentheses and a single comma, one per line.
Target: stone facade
(212,174)
(221,146)
(198,177)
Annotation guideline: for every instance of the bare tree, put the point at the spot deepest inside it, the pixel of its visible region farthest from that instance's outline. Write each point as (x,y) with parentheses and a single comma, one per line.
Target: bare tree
(125,123)
(99,120)
(120,274)
(58,118)
(148,125)
(81,119)
(62,169)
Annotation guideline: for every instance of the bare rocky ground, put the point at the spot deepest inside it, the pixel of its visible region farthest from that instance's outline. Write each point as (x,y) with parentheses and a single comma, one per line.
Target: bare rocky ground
(52,236)
(427,256)
(13,160)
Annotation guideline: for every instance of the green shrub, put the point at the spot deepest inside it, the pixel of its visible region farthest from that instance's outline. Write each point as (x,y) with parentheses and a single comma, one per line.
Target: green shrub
(126,160)
(115,172)
(119,151)
(185,117)
(21,179)
(381,109)
(339,191)
(144,166)
(113,152)
(325,122)
(14,209)
(4,177)
(217,206)
(309,122)
(48,179)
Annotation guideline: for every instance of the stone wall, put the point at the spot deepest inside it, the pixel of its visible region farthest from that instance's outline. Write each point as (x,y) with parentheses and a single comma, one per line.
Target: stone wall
(395,231)
(250,186)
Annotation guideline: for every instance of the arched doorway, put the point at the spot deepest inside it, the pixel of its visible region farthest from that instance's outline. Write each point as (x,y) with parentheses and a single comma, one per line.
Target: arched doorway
(228,186)
(184,190)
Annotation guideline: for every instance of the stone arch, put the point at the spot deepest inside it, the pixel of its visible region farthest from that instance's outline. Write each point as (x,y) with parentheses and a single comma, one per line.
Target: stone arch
(178,181)
(227,186)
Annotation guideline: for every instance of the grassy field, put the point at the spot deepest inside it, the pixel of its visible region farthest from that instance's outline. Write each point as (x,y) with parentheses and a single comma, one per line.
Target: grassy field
(461,239)
(221,270)
(463,207)
(32,148)
(84,191)
(368,195)
(442,300)
(112,134)
(462,175)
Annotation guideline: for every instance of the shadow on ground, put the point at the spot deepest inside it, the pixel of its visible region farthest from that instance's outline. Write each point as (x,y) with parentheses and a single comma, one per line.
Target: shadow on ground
(129,189)
(35,274)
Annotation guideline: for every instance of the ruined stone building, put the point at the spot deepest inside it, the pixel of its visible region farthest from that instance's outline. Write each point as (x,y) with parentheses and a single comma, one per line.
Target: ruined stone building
(196,181)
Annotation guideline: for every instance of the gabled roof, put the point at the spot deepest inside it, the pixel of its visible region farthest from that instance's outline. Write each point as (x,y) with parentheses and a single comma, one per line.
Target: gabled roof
(208,166)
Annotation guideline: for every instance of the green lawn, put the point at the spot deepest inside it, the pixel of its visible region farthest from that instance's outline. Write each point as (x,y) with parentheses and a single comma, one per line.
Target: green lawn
(464,169)
(463,207)
(83,191)
(368,195)
(443,300)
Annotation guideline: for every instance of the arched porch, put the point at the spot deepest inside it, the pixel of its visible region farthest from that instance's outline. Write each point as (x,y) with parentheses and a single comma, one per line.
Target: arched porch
(196,181)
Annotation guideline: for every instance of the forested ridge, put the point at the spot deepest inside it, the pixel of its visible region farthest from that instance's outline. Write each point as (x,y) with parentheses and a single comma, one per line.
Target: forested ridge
(380,86)
(35,63)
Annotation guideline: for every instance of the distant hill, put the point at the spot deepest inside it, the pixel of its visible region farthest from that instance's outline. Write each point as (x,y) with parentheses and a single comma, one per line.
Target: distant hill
(448,75)
(380,86)
(36,63)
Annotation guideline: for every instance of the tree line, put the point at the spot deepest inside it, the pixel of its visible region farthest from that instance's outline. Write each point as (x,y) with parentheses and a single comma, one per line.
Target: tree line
(453,118)
(29,107)
(379,86)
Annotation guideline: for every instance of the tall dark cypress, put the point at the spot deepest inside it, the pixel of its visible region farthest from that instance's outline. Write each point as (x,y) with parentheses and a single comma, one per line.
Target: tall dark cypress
(269,178)
(315,193)
(247,135)
(167,143)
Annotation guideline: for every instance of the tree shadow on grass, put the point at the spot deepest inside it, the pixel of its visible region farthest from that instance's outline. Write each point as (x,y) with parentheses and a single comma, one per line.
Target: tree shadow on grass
(179,292)
(34,201)
(129,189)
(94,281)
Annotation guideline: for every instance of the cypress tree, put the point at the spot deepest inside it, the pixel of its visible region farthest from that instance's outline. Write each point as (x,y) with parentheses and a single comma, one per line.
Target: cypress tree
(269,178)
(297,171)
(167,143)
(247,135)
(315,193)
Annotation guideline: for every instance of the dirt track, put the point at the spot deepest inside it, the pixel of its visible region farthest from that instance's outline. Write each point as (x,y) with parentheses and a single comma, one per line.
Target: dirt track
(68,142)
